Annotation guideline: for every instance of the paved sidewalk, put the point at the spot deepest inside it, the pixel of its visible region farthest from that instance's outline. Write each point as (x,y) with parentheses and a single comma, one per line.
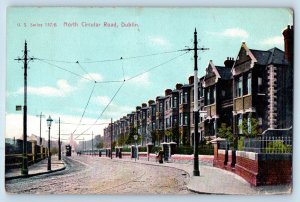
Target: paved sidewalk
(36,169)
(216,181)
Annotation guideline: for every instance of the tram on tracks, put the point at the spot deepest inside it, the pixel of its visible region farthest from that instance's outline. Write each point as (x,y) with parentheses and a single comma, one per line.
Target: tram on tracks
(68,150)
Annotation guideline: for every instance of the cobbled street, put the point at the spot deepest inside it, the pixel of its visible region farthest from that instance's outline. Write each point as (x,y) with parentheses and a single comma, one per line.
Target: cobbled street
(94,175)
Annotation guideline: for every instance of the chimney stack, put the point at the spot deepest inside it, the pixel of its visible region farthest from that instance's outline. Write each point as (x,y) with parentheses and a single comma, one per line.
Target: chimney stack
(150,102)
(229,62)
(288,35)
(168,92)
(191,80)
(178,86)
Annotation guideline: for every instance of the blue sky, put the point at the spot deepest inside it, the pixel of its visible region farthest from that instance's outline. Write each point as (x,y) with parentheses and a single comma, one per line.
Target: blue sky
(60,94)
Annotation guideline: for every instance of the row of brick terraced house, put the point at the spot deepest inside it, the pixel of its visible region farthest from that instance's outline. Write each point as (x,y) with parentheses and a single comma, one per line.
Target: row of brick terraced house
(257,83)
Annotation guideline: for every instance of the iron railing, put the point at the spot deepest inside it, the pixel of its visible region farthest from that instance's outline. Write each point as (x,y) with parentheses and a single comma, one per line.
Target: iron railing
(269,144)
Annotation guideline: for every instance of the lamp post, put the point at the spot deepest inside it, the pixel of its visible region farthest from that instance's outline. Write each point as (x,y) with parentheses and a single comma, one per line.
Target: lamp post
(49,122)
(135,139)
(59,142)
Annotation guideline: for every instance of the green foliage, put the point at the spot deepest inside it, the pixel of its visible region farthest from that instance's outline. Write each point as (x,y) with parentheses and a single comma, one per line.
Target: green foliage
(175,133)
(226,132)
(241,144)
(205,149)
(100,145)
(121,140)
(126,149)
(155,149)
(184,150)
(114,144)
(168,132)
(130,139)
(153,136)
(278,146)
(142,149)
(253,131)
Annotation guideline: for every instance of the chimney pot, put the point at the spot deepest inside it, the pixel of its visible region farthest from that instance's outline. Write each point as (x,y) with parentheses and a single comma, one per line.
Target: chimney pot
(191,79)
(288,35)
(178,86)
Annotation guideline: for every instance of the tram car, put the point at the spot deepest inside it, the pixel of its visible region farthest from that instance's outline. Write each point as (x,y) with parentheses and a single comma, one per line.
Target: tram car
(68,150)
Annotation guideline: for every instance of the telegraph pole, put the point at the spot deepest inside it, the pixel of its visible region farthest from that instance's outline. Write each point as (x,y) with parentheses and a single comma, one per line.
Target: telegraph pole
(196,171)
(92,143)
(59,143)
(24,169)
(41,115)
(111,137)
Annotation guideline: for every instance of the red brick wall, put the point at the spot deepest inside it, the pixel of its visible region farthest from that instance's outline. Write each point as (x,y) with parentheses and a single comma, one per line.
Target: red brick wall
(229,165)
(219,162)
(247,169)
(275,172)
(264,171)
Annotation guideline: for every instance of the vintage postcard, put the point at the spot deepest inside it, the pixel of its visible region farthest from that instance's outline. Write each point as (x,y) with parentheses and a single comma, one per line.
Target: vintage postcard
(149,100)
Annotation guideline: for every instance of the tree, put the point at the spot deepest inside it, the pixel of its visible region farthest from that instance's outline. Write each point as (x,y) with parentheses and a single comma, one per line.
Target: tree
(121,140)
(153,136)
(175,133)
(168,133)
(100,145)
(250,127)
(130,138)
(226,132)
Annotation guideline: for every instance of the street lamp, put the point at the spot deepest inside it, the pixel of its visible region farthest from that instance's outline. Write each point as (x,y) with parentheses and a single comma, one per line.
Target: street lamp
(49,122)
(135,139)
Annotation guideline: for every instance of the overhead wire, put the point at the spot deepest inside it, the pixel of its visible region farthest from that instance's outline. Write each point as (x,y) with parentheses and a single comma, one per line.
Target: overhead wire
(152,68)
(83,69)
(109,60)
(156,66)
(116,81)
(85,108)
(103,109)
(54,65)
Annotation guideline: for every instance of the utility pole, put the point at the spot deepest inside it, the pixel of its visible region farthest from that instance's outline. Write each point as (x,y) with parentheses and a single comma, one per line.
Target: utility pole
(111,137)
(59,143)
(196,171)
(24,169)
(41,115)
(92,143)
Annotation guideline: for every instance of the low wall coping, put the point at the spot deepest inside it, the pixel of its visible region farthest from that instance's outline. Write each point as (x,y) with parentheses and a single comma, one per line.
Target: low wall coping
(249,155)
(221,151)
(263,157)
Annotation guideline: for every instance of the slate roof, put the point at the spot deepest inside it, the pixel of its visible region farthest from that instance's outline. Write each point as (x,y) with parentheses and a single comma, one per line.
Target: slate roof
(272,56)
(225,72)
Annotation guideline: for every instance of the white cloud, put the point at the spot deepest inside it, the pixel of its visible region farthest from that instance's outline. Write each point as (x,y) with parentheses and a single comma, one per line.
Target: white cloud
(117,111)
(142,80)
(159,41)
(232,32)
(102,100)
(273,41)
(235,32)
(14,126)
(91,76)
(63,88)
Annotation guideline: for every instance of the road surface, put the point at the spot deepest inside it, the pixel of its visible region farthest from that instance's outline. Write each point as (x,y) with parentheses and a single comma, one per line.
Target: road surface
(95,175)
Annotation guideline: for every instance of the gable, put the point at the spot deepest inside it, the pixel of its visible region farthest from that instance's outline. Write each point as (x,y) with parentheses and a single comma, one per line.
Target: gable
(244,61)
(212,75)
